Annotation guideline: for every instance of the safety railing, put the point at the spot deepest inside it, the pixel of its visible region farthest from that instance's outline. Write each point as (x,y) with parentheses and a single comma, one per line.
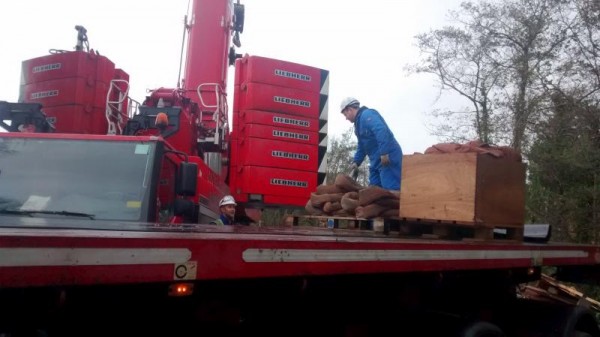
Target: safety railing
(220,109)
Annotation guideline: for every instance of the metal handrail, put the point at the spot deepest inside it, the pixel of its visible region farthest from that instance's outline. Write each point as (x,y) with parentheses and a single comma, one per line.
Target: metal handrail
(220,111)
(112,106)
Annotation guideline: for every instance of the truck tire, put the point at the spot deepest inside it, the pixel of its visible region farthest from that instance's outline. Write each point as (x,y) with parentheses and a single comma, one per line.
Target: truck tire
(482,329)
(580,322)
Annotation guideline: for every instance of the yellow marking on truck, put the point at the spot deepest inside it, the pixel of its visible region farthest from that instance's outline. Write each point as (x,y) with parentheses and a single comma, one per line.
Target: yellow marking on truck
(134,204)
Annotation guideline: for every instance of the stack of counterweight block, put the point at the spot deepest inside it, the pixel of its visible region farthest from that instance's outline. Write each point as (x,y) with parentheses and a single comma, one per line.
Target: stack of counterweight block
(72,88)
(279,131)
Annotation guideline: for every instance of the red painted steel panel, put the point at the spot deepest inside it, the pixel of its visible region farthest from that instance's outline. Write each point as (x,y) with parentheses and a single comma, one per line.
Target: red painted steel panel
(239,246)
(276,182)
(278,134)
(270,153)
(256,69)
(238,74)
(78,118)
(74,90)
(276,119)
(75,136)
(288,200)
(234,149)
(211,186)
(67,65)
(258,96)
(121,74)
(236,94)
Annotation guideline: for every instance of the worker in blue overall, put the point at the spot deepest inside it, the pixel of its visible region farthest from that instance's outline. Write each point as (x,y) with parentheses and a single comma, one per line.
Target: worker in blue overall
(227,208)
(376,140)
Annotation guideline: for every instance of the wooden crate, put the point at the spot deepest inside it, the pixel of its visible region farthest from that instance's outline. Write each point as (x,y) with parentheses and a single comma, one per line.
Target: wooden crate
(467,188)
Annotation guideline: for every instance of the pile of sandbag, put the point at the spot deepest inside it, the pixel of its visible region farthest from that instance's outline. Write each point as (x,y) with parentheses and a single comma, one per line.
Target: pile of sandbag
(477,146)
(345,197)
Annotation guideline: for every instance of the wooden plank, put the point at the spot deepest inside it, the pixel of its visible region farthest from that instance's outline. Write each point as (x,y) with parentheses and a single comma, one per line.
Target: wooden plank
(460,231)
(548,287)
(438,221)
(435,230)
(377,225)
(346,222)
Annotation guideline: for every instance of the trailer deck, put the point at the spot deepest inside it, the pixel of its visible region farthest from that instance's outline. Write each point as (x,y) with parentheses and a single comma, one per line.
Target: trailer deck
(37,251)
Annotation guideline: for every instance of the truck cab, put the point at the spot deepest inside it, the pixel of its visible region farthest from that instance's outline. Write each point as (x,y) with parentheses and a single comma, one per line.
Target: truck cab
(113,178)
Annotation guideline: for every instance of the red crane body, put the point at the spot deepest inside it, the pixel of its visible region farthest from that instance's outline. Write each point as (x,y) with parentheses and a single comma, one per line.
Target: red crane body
(207,57)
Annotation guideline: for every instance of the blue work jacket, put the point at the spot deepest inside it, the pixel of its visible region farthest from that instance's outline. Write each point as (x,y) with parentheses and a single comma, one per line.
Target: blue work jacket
(374,140)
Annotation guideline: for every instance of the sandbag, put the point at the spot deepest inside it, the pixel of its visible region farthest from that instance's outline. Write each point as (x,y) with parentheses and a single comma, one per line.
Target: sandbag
(349,201)
(369,211)
(329,189)
(318,200)
(388,202)
(331,207)
(371,194)
(346,183)
(310,209)
(391,213)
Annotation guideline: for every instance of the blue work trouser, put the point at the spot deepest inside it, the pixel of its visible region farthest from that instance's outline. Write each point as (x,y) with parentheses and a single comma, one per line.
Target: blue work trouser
(388,176)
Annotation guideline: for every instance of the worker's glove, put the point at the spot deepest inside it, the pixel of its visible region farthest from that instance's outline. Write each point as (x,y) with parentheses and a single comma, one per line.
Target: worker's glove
(354,171)
(385,159)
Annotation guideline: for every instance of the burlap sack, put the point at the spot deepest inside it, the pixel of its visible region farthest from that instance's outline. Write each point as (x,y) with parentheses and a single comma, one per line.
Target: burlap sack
(349,202)
(329,189)
(511,154)
(346,183)
(310,209)
(369,211)
(318,200)
(391,213)
(371,194)
(389,203)
(331,207)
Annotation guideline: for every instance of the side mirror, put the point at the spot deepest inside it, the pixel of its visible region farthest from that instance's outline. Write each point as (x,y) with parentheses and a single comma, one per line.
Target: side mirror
(186,179)
(183,207)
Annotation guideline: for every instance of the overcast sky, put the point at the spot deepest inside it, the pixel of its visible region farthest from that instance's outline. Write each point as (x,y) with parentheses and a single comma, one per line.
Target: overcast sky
(364,44)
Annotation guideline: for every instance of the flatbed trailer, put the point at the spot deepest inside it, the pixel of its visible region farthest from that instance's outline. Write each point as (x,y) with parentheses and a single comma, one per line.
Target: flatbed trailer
(84,253)
(248,280)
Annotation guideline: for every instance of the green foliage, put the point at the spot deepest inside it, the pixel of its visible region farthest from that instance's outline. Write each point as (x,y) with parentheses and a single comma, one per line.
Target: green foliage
(564,172)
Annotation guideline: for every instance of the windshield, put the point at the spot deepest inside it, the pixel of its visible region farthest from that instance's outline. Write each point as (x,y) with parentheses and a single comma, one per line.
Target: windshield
(105,180)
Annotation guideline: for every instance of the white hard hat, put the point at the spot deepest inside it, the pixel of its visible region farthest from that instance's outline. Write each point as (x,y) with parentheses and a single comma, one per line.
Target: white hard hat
(346,102)
(227,200)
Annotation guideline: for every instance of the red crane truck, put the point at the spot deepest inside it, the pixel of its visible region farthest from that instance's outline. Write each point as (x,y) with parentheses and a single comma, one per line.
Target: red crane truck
(104,215)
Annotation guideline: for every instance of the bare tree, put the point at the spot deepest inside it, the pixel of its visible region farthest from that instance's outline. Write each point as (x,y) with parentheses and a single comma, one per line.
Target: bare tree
(496,57)
(459,58)
(578,73)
